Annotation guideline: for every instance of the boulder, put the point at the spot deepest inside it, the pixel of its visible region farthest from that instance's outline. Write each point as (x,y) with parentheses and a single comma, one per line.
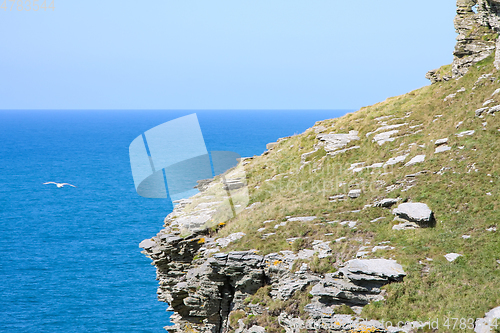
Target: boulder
(396,160)
(452,256)
(442,149)
(333,142)
(373,269)
(494,109)
(353,194)
(416,212)
(415,160)
(490,320)
(464,133)
(386,203)
(441,141)
(356,284)
(481,111)
(231,238)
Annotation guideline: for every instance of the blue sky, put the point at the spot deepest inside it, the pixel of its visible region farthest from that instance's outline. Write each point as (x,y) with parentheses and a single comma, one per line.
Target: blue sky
(220,54)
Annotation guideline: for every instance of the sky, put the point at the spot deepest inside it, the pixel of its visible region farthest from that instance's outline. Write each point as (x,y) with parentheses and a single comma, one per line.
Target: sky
(219,54)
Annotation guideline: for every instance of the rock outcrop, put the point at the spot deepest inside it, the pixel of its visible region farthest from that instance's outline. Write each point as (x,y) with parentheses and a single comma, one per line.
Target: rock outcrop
(334,143)
(205,285)
(356,284)
(477,23)
(203,291)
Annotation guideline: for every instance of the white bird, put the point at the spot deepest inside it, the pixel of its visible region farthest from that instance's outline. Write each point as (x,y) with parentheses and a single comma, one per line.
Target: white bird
(59,185)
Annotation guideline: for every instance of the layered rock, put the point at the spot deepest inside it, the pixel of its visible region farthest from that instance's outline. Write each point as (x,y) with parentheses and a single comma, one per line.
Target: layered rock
(335,143)
(477,23)
(203,286)
(356,284)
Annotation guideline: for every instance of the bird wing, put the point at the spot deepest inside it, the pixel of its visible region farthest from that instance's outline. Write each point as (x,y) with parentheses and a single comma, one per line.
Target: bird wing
(68,184)
(49,183)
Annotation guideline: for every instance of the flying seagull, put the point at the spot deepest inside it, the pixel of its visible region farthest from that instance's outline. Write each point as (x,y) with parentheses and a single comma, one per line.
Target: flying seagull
(59,184)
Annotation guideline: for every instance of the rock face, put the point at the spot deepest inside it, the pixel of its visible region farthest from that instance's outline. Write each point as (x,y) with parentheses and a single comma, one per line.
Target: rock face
(476,33)
(477,23)
(203,292)
(203,285)
(356,284)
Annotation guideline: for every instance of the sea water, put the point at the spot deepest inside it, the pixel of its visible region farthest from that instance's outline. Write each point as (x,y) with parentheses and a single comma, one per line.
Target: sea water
(69,257)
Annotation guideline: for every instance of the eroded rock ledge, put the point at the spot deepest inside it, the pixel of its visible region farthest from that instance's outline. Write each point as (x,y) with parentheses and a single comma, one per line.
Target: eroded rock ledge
(204,285)
(203,292)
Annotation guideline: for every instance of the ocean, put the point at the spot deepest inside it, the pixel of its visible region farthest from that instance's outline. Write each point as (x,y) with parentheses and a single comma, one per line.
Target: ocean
(69,259)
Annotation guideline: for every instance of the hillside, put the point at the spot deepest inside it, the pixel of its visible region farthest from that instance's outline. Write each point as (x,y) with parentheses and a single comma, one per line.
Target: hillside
(327,242)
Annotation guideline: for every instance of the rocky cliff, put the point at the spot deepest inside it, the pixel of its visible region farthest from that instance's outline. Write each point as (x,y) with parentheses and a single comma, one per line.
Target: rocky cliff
(477,23)
(384,220)
(204,285)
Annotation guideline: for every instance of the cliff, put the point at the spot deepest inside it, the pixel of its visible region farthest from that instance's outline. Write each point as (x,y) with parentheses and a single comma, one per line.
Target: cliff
(384,220)
(477,23)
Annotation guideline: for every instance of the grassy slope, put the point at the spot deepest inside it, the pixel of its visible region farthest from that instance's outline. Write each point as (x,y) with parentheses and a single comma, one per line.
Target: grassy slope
(466,288)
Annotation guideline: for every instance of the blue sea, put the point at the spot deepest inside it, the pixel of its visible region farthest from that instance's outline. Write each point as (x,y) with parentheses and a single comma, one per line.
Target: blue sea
(69,257)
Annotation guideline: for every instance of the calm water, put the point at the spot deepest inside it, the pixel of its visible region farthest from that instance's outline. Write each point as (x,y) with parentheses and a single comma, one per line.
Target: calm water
(70,260)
